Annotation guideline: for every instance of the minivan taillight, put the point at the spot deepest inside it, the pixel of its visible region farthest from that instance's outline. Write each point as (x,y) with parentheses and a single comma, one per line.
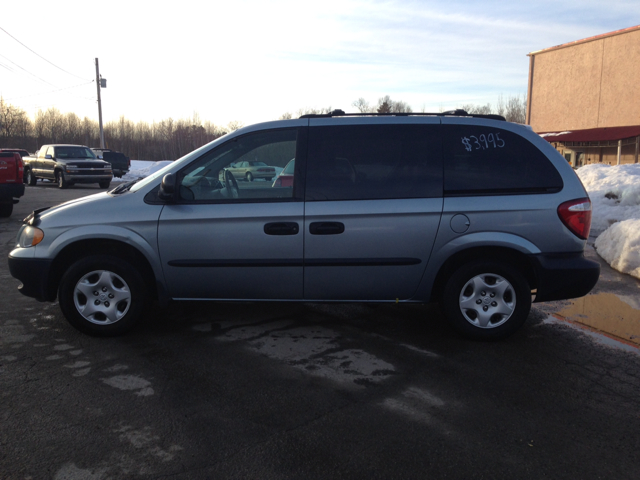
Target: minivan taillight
(576,215)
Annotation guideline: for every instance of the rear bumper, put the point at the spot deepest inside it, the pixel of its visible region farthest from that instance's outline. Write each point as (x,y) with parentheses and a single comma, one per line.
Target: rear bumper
(34,275)
(11,190)
(564,276)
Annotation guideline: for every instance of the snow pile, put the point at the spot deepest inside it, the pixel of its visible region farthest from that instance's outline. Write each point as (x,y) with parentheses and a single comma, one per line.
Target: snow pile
(619,245)
(614,193)
(143,168)
(615,199)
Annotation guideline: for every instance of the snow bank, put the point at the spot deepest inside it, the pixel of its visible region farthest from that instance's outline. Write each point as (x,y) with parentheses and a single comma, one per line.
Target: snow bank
(614,193)
(615,198)
(619,245)
(143,168)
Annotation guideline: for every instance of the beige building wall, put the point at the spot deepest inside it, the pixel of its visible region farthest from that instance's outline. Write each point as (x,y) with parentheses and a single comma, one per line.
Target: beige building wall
(590,83)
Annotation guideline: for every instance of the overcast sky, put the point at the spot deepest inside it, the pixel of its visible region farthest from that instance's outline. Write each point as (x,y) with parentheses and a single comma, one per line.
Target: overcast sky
(251,61)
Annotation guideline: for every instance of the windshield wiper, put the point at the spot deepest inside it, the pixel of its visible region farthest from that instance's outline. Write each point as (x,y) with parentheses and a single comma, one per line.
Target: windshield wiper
(124,187)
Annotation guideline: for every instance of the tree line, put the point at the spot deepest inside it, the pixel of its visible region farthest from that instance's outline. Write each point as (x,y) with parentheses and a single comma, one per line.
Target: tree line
(513,109)
(170,139)
(167,139)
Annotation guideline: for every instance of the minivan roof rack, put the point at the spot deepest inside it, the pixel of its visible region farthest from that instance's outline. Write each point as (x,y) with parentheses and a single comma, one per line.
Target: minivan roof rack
(456,113)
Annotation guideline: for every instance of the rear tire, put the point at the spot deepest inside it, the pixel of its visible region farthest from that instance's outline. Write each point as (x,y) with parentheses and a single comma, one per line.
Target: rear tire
(249,177)
(29,178)
(103,295)
(487,300)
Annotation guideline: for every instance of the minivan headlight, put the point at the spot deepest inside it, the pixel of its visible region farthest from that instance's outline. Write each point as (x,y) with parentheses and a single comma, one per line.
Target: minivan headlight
(30,237)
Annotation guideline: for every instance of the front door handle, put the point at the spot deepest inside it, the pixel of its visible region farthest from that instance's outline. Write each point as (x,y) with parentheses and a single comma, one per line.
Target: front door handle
(282,228)
(326,228)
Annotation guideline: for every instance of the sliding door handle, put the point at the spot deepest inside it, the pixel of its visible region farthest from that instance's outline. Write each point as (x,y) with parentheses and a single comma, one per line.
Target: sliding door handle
(326,228)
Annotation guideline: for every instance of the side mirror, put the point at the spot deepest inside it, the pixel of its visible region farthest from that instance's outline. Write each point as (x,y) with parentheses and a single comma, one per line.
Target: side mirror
(167,187)
(48,157)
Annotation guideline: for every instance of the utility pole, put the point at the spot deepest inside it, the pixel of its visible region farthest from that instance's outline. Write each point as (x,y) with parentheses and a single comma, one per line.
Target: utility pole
(99,85)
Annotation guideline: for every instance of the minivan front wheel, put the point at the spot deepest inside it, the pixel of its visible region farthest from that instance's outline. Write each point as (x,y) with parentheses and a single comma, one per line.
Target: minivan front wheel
(487,300)
(102,295)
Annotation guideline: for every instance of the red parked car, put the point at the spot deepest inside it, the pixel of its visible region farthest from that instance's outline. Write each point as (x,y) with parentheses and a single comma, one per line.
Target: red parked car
(11,181)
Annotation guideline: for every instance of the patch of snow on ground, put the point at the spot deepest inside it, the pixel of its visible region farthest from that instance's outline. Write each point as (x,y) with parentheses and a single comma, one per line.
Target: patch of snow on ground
(615,198)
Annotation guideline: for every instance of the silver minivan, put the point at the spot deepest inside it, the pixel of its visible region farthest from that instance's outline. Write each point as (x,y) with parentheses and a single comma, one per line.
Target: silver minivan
(472,211)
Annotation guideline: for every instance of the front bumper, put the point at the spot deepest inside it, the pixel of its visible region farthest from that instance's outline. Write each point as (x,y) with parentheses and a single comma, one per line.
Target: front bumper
(34,275)
(70,177)
(564,276)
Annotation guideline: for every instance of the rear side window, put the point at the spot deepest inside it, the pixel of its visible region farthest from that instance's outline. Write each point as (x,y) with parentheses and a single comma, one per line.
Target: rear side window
(367,162)
(485,160)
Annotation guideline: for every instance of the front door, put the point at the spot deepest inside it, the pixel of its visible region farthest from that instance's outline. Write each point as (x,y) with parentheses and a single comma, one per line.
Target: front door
(224,239)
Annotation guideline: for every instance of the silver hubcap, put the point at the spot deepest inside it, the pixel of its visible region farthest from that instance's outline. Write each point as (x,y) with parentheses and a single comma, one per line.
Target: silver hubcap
(487,300)
(102,297)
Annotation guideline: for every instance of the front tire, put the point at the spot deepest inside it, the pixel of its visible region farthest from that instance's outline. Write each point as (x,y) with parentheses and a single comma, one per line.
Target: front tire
(103,295)
(487,300)
(60,180)
(249,177)
(104,183)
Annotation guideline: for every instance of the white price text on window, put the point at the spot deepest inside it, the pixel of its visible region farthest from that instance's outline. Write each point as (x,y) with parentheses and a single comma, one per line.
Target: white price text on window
(483,142)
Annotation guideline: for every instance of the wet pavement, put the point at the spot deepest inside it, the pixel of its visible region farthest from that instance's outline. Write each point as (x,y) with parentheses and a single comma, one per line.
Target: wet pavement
(611,308)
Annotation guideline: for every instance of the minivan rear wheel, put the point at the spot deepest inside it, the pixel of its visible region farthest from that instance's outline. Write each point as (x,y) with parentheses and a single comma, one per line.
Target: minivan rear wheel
(102,295)
(487,300)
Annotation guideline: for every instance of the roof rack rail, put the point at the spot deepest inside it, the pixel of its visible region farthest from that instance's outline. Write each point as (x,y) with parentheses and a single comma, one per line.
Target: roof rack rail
(457,113)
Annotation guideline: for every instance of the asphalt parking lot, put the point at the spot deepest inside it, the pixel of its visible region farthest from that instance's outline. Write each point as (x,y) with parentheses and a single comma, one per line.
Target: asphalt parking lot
(290,391)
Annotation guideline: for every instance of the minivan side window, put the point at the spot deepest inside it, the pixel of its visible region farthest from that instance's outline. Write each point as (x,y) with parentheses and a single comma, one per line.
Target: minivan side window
(485,160)
(240,170)
(367,162)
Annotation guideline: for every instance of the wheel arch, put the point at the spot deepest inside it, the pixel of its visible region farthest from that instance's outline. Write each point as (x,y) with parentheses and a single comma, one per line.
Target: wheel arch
(103,246)
(512,257)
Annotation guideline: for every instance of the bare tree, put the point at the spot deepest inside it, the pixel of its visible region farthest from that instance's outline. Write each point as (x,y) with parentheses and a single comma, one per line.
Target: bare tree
(516,109)
(234,125)
(15,126)
(362,105)
(314,111)
(477,109)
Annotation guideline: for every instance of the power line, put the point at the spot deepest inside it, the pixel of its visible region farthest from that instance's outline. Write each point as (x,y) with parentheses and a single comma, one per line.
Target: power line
(37,54)
(33,75)
(54,91)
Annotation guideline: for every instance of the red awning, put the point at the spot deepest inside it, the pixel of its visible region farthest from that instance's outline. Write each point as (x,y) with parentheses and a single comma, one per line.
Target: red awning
(592,134)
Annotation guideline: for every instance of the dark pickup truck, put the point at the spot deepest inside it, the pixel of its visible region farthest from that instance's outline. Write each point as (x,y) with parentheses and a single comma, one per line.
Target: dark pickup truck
(11,184)
(120,163)
(67,165)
